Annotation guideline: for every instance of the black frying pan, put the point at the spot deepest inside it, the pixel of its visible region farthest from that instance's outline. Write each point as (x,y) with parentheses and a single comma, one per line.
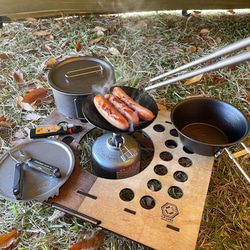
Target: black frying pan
(141,97)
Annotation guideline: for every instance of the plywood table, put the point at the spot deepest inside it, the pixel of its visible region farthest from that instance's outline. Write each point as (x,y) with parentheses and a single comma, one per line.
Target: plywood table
(165,216)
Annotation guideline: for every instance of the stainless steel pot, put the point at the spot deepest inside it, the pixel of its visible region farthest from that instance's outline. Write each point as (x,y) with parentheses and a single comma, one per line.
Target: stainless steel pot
(73,79)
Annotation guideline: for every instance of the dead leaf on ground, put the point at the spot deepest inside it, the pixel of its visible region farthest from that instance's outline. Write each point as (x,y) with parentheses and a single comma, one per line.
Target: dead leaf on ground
(193,80)
(23,105)
(30,19)
(34,95)
(32,117)
(217,79)
(79,46)
(7,240)
(95,40)
(42,33)
(97,28)
(92,240)
(204,31)
(6,124)
(18,76)
(231,11)
(46,49)
(114,51)
(191,49)
(5,55)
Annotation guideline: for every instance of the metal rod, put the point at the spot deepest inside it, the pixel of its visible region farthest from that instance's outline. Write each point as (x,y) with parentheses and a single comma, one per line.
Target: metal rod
(238,165)
(228,49)
(222,64)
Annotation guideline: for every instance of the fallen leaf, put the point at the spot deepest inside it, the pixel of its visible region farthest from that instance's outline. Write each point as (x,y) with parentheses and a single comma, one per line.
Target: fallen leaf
(34,95)
(46,49)
(5,55)
(204,31)
(197,12)
(191,49)
(2,118)
(6,124)
(92,240)
(217,79)
(193,80)
(65,43)
(100,33)
(178,49)
(79,47)
(42,33)
(231,11)
(248,48)
(30,19)
(32,117)
(95,40)
(60,24)
(218,39)
(7,240)
(114,51)
(23,105)
(97,28)
(18,76)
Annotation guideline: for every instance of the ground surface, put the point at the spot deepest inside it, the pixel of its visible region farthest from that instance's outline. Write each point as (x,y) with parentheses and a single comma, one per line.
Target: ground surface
(139,47)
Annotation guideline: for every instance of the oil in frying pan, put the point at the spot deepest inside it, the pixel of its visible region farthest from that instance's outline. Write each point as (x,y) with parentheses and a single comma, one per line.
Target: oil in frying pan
(205,133)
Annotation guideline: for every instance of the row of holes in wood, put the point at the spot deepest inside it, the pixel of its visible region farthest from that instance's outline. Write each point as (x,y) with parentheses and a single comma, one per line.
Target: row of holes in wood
(148,202)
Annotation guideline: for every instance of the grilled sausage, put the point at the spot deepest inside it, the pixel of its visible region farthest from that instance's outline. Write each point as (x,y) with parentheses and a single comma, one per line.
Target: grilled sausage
(144,113)
(105,108)
(124,109)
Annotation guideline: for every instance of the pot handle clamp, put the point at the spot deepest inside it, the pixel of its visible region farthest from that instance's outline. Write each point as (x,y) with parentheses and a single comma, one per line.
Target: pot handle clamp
(235,155)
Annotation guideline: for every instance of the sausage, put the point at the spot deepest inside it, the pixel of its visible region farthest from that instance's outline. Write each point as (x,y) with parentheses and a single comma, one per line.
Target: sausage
(105,108)
(144,113)
(124,109)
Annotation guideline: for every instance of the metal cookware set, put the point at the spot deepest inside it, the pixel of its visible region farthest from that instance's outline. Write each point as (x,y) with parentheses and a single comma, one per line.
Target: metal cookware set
(205,126)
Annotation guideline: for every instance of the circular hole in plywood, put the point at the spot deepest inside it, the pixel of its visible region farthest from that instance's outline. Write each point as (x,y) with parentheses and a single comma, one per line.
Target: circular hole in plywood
(127,194)
(185,162)
(84,149)
(154,185)
(180,176)
(166,156)
(175,192)
(171,144)
(160,169)
(173,132)
(147,202)
(159,128)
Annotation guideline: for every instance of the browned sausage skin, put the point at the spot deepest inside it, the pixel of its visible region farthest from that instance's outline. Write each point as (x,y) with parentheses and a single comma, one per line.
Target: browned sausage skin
(144,113)
(105,108)
(124,109)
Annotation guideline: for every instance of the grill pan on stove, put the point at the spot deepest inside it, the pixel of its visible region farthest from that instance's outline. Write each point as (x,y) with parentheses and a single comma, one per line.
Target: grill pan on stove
(141,97)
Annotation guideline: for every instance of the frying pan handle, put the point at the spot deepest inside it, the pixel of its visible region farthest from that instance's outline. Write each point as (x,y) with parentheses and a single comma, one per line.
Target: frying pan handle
(233,158)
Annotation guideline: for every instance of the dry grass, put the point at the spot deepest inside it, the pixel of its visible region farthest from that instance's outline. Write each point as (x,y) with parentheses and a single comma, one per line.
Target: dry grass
(149,45)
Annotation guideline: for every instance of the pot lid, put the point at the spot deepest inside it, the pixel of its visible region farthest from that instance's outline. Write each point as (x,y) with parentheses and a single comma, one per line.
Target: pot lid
(36,185)
(78,75)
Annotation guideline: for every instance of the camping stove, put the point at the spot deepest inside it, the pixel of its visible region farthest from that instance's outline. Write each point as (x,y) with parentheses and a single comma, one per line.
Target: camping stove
(115,156)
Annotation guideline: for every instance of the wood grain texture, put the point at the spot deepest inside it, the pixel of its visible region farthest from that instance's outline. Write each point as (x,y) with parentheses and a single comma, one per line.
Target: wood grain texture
(172,223)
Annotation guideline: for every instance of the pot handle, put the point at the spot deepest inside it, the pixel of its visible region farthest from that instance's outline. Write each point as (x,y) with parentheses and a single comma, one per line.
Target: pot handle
(234,156)
(78,101)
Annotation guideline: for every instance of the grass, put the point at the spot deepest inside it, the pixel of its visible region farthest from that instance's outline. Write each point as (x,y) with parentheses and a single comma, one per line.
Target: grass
(149,45)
